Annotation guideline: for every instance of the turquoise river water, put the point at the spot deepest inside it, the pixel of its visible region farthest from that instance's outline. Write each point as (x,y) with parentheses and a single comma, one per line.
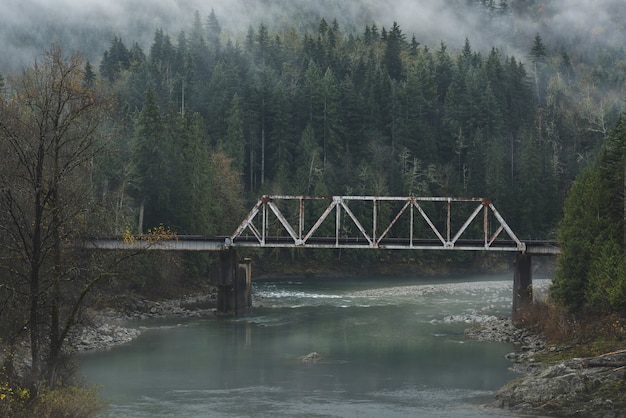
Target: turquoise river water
(388,347)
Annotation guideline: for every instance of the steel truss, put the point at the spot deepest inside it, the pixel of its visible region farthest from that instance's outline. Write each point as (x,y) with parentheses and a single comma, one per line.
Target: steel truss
(268,226)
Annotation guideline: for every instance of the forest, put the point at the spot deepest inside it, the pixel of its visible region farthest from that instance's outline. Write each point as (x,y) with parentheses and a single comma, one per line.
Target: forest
(368,113)
(183,133)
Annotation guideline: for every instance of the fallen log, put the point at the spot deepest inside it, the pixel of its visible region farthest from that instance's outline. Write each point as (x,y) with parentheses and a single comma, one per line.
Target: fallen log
(603,363)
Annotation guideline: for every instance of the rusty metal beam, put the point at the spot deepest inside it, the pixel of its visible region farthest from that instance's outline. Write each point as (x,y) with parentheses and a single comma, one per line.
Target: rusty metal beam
(267,206)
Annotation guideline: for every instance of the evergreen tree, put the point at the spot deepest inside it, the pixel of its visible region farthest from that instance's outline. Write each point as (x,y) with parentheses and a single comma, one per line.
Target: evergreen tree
(138,82)
(281,148)
(537,53)
(199,50)
(89,78)
(151,161)
(233,144)
(592,266)
(537,57)
(394,46)
(419,112)
(192,206)
(310,170)
(330,124)
(217,100)
(115,60)
(214,30)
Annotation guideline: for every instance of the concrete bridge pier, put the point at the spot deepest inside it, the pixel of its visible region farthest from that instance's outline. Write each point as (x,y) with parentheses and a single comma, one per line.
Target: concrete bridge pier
(233,283)
(522,285)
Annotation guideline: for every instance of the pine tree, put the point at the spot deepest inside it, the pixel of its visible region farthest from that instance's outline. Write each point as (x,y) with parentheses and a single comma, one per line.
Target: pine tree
(592,267)
(394,46)
(214,30)
(115,60)
(150,157)
(537,53)
(537,57)
(199,50)
(89,77)
(234,142)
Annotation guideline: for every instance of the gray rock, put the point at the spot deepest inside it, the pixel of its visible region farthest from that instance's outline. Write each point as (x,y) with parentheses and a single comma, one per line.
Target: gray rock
(311,358)
(564,388)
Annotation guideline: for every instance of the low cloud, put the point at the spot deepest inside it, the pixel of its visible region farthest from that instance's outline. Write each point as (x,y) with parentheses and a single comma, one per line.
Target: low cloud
(27,27)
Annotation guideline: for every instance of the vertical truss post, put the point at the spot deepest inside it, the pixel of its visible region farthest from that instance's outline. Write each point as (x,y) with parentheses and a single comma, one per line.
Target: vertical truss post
(411,225)
(337,225)
(449,226)
(374,214)
(486,224)
(301,219)
(264,224)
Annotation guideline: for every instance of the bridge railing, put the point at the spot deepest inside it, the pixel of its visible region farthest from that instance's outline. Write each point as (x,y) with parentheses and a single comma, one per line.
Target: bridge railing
(451,223)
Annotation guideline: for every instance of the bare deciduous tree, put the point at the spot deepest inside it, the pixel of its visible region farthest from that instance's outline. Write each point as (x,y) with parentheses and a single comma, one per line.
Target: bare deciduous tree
(49,134)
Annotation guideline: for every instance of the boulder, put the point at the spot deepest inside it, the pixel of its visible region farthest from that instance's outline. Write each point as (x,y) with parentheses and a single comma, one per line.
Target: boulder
(310,358)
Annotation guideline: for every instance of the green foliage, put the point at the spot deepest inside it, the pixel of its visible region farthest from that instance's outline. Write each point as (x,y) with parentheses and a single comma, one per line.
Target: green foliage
(538,51)
(606,290)
(579,232)
(13,398)
(115,60)
(592,268)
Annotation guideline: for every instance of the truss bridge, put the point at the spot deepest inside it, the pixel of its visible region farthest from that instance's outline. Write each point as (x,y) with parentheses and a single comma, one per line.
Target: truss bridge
(420,223)
(351,222)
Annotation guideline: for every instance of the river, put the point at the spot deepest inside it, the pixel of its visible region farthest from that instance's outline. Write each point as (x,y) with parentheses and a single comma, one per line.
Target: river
(388,348)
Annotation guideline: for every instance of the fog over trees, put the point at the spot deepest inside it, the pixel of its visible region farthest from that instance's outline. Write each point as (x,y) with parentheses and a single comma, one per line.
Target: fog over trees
(209,105)
(28,26)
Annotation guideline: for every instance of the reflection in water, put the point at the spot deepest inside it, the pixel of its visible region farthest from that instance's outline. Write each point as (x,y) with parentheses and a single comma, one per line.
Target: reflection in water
(385,352)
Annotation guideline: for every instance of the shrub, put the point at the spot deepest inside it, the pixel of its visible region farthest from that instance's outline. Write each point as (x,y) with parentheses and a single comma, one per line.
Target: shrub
(68,402)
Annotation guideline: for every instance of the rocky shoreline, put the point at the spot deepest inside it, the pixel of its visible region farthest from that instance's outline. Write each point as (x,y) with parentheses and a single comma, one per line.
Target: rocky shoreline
(106,329)
(578,387)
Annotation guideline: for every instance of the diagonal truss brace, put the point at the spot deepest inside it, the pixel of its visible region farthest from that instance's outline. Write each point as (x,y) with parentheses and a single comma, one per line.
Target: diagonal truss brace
(338,204)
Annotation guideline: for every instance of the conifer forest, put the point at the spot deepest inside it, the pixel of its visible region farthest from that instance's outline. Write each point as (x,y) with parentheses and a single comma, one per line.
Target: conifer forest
(177,123)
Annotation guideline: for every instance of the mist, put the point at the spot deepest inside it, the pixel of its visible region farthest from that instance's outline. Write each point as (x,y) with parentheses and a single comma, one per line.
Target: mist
(28,27)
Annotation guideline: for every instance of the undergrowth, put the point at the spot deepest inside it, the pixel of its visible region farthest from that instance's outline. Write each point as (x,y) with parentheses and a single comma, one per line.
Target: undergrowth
(584,335)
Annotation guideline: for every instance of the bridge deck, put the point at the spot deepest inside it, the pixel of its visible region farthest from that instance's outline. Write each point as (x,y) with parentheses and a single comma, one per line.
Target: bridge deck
(372,222)
(200,243)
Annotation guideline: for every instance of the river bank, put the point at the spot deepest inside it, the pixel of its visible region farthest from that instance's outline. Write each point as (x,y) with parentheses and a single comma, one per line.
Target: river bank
(105,329)
(573,387)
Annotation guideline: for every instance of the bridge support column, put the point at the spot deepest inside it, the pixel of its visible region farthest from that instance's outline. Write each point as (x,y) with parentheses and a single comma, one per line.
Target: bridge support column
(522,285)
(233,284)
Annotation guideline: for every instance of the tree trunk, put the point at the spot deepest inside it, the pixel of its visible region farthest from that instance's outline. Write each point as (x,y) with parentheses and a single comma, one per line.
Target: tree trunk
(55,314)
(140,222)
(262,152)
(35,264)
